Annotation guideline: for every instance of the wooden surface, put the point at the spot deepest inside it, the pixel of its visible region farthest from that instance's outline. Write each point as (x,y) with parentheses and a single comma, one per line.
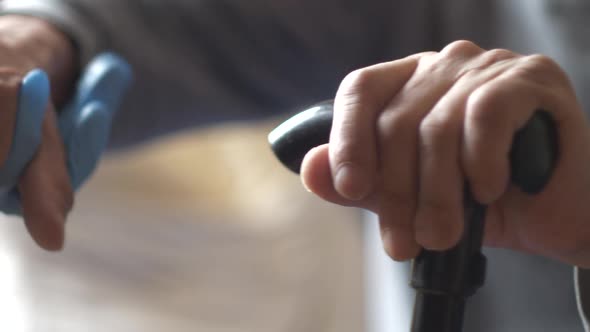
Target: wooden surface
(196,232)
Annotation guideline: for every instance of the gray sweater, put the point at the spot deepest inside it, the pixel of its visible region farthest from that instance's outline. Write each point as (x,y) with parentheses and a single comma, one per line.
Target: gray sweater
(204,61)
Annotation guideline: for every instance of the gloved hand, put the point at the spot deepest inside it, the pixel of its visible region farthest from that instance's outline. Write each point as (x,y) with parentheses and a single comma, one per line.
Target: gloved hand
(84,124)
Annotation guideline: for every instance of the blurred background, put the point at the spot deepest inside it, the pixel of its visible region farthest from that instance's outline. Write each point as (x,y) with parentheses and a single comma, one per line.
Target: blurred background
(192,232)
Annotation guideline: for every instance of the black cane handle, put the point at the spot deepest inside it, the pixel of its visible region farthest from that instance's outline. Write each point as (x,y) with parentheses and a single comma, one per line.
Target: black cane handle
(443,279)
(533,153)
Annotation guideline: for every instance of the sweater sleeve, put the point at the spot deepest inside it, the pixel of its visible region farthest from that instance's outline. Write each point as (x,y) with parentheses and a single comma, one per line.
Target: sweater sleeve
(62,15)
(198,62)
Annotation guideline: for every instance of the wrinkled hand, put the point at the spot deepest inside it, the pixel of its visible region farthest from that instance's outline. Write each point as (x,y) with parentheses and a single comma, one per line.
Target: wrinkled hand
(408,134)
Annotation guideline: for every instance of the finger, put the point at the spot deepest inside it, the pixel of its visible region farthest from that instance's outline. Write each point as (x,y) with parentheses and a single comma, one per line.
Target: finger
(398,141)
(32,100)
(87,140)
(397,230)
(106,79)
(398,126)
(494,112)
(439,214)
(45,190)
(316,178)
(9,88)
(361,96)
(85,123)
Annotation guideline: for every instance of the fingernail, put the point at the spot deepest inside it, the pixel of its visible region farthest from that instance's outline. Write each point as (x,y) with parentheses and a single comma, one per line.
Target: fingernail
(352,182)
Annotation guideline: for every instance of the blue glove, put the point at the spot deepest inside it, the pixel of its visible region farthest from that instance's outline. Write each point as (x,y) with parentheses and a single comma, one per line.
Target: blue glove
(84,124)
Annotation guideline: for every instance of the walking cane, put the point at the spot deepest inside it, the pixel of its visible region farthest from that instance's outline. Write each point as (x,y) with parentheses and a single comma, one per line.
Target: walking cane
(443,280)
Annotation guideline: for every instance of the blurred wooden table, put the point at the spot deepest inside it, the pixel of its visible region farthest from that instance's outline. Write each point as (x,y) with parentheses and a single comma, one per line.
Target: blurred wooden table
(196,232)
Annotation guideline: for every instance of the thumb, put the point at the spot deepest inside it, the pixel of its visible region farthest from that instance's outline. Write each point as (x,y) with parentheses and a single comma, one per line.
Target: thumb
(45,190)
(317,178)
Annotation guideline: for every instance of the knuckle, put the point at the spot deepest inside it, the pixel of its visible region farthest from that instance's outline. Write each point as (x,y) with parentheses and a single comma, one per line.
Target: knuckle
(497,55)
(433,67)
(484,61)
(540,69)
(396,127)
(357,82)
(423,55)
(460,48)
(435,130)
(540,61)
(355,89)
(347,152)
(481,105)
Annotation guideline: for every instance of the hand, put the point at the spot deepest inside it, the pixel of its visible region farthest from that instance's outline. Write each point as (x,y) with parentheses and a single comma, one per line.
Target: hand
(84,124)
(45,190)
(408,134)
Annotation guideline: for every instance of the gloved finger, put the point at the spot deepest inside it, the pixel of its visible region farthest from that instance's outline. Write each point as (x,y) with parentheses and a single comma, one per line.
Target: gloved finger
(105,80)
(33,98)
(32,102)
(87,141)
(45,190)
(85,123)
